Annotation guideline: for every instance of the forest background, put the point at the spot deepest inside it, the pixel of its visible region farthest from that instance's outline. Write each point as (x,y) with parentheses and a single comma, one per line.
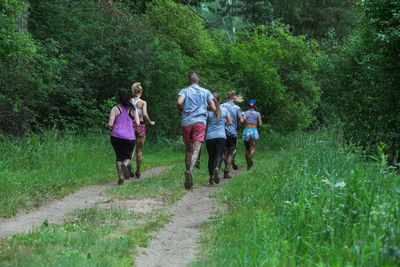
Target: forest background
(309,64)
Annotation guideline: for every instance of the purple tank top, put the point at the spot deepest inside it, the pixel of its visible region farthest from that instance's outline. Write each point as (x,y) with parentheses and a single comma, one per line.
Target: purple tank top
(252,116)
(123,125)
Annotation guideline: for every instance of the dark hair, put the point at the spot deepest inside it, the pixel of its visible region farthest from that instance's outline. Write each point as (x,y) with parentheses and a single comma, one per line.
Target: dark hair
(124,98)
(217,108)
(193,76)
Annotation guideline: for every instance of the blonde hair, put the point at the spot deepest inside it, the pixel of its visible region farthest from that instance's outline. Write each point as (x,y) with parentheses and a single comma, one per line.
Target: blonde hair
(231,96)
(136,89)
(217,108)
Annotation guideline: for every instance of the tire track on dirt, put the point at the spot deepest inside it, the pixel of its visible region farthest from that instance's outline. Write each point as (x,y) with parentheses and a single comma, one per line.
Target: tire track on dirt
(177,243)
(56,211)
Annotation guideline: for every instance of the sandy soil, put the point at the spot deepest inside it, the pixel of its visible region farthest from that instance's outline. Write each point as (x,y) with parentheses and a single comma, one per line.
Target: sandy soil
(177,243)
(57,211)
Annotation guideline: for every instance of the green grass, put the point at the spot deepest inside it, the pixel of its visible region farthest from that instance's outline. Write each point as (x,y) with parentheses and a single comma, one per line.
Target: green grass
(93,238)
(40,168)
(169,184)
(313,203)
(106,238)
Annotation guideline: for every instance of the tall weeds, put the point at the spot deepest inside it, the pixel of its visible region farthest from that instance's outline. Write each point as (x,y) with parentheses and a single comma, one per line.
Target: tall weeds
(315,202)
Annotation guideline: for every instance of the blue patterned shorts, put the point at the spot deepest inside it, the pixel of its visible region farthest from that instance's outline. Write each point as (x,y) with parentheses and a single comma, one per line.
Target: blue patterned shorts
(250,134)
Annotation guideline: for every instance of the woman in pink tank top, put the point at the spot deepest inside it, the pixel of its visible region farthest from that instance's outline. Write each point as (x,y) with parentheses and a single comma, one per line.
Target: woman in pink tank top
(123,118)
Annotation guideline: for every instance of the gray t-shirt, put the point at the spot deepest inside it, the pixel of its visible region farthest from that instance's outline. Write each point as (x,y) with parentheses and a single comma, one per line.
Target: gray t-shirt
(195,104)
(252,116)
(235,113)
(216,129)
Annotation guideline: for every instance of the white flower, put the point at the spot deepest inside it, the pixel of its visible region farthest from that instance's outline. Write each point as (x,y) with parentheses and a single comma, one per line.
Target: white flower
(340,185)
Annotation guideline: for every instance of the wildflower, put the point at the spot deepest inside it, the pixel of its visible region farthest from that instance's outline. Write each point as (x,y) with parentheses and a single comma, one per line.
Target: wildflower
(340,185)
(276,177)
(359,241)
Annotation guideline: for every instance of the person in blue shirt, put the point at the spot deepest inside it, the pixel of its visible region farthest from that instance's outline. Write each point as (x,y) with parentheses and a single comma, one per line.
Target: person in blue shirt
(192,104)
(252,120)
(231,131)
(215,138)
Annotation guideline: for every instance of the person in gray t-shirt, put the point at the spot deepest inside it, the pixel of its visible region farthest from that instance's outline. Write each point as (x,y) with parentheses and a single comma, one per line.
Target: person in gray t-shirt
(231,131)
(215,138)
(192,106)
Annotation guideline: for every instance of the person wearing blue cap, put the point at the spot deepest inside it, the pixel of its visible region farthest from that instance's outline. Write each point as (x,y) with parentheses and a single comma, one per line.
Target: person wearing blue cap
(252,120)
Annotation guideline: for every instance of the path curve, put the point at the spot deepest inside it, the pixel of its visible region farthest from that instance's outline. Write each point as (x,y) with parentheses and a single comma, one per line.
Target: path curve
(56,211)
(177,243)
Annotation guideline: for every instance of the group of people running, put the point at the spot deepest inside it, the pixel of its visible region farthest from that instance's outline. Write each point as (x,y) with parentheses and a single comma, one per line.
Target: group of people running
(199,109)
(129,131)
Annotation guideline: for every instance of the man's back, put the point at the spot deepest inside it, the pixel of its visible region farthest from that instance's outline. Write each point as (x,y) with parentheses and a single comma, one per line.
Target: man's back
(235,113)
(195,105)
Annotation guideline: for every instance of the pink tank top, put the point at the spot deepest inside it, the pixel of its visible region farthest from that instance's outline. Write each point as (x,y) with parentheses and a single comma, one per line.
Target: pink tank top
(123,125)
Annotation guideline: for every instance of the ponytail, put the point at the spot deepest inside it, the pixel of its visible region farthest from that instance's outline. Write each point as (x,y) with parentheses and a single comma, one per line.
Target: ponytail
(217,108)
(230,95)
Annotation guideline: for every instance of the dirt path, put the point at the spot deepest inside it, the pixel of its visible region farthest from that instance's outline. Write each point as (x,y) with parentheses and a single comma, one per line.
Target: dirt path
(177,243)
(56,211)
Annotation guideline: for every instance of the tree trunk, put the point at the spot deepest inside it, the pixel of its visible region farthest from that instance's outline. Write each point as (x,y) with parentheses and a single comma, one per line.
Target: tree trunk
(319,18)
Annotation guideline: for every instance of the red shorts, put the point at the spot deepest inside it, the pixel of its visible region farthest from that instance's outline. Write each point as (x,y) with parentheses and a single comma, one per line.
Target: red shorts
(194,133)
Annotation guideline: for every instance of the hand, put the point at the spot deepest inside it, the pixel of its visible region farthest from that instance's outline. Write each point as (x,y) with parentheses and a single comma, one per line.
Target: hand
(152,123)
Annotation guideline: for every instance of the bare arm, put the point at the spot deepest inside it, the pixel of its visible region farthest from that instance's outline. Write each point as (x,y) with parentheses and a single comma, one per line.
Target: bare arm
(259,122)
(179,104)
(145,115)
(114,113)
(228,121)
(242,119)
(135,118)
(211,105)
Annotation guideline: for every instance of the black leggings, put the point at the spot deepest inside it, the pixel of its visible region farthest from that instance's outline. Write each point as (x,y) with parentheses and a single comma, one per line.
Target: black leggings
(215,148)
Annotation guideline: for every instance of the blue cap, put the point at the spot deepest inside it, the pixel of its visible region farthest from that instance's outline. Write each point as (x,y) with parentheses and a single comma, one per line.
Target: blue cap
(252,103)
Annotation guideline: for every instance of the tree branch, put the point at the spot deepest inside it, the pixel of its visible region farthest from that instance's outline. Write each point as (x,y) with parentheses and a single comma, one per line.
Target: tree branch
(195,12)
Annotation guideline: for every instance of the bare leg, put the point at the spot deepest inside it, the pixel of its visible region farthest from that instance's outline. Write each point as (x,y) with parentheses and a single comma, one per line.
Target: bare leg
(195,155)
(119,170)
(253,145)
(139,157)
(188,161)
(188,154)
(248,155)
(198,159)
(228,161)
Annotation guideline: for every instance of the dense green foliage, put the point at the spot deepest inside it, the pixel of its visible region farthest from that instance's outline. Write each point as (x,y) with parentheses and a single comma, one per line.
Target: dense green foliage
(311,17)
(360,78)
(81,52)
(272,66)
(26,72)
(314,203)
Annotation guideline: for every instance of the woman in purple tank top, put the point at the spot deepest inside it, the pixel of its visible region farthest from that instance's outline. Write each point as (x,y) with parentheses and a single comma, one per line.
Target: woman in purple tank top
(123,118)
(252,120)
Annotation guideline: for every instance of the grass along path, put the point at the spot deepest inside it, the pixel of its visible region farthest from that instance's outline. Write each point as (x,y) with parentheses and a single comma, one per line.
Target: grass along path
(109,234)
(39,169)
(56,212)
(177,243)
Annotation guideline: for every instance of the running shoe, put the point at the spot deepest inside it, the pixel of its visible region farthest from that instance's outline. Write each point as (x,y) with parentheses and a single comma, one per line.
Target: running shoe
(226,175)
(250,163)
(137,174)
(120,181)
(211,180)
(216,176)
(131,173)
(125,171)
(234,165)
(188,180)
